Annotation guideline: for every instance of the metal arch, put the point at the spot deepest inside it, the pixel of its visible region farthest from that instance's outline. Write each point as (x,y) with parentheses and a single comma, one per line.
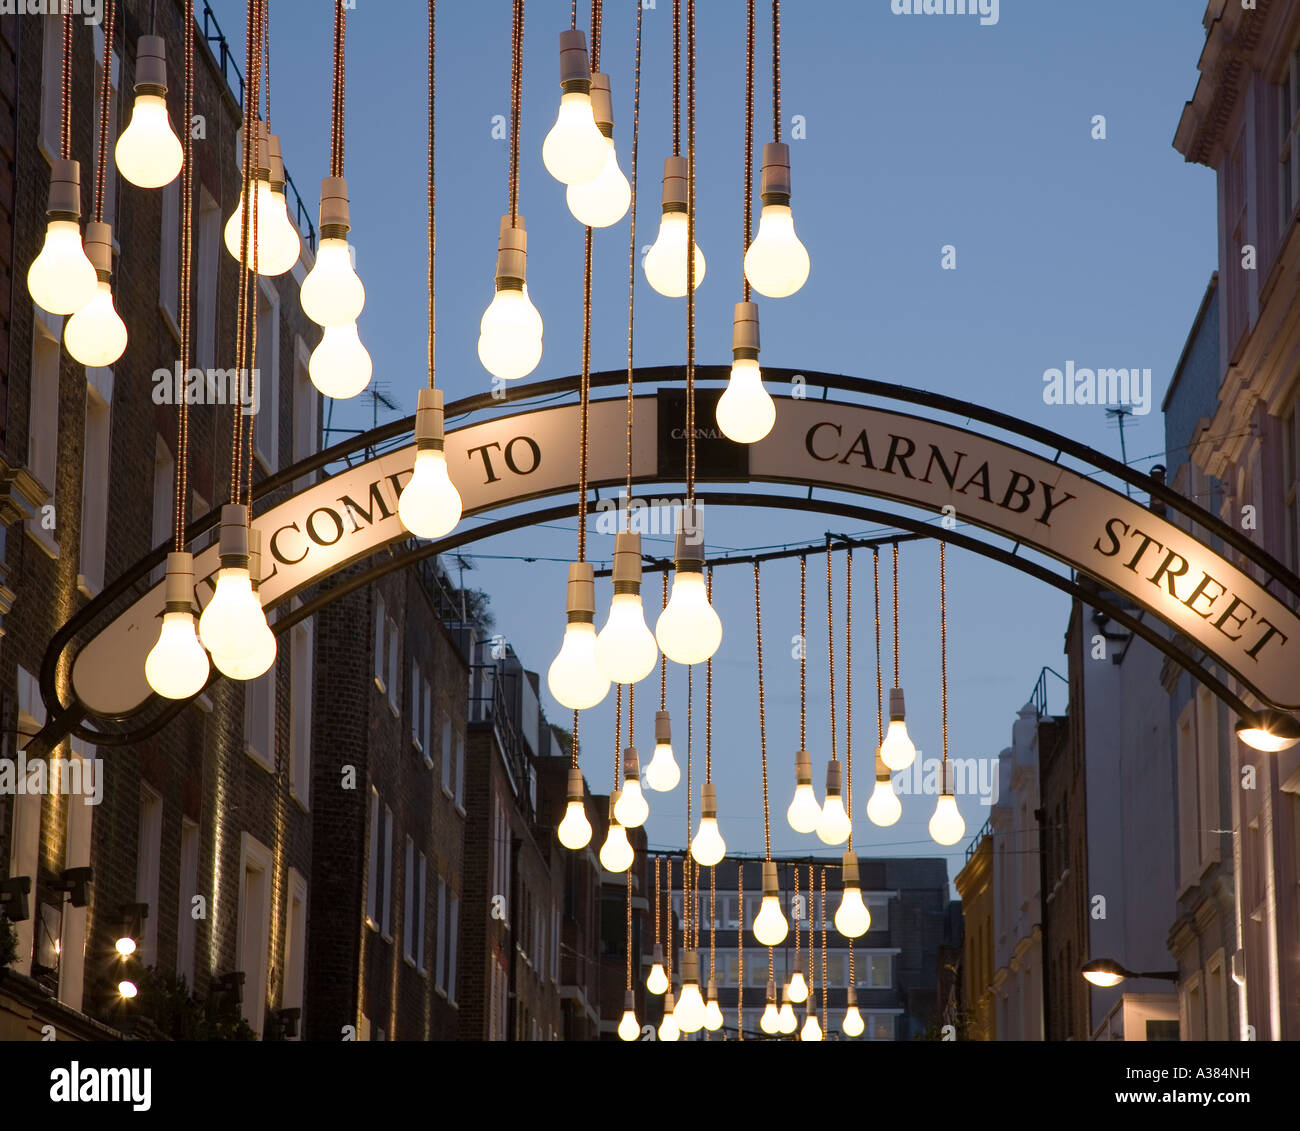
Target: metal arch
(1139,627)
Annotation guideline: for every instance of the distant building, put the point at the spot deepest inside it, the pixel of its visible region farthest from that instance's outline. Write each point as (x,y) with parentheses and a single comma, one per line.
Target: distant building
(974,884)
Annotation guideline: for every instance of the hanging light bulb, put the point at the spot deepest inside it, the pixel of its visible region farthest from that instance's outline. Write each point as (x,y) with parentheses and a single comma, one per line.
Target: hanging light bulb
(332,294)
(177,666)
(61,278)
(897,750)
(604,199)
(148,154)
(712,1010)
(804,813)
(632,808)
(665,262)
(688,630)
(947,825)
(340,366)
(668,1030)
(616,852)
(707,846)
(797,990)
(776,263)
(278,242)
(812,1028)
(575,829)
(785,1020)
(232,619)
(745,411)
(657,981)
(258,660)
(770,926)
(883,806)
(663,773)
(852,1023)
(95,335)
(628,1029)
(770,1022)
(429,505)
(510,331)
(852,919)
(574,677)
(689,1010)
(625,647)
(574,151)
(834,825)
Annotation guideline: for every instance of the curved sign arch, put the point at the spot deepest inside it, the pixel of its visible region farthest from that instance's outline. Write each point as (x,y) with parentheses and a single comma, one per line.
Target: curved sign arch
(834,445)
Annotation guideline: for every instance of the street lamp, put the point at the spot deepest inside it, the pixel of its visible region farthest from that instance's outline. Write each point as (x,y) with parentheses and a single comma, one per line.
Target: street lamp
(1269,730)
(1106,972)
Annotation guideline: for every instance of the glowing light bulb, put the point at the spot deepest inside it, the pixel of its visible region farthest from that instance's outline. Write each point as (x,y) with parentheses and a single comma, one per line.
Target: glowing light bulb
(574,677)
(625,648)
(812,1029)
(254,663)
(712,1010)
(852,919)
(332,294)
(430,505)
(770,926)
(688,630)
(95,335)
(231,621)
(126,988)
(616,852)
(707,846)
(340,366)
(148,154)
(657,981)
(278,243)
(632,809)
(177,666)
(663,773)
(665,262)
(61,279)
(745,412)
(804,813)
(897,750)
(770,1022)
(628,1029)
(776,263)
(575,151)
(668,1030)
(852,1024)
(834,825)
(125,946)
(604,199)
(510,334)
(883,806)
(689,1010)
(575,829)
(785,1020)
(947,825)
(797,990)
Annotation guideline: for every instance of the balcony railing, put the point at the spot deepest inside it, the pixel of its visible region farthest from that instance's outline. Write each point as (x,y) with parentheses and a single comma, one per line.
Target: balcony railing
(987,830)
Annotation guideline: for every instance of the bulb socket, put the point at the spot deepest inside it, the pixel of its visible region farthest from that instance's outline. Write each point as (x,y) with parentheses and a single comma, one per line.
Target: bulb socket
(674,195)
(883,772)
(98,242)
(581,600)
(234,536)
(852,995)
(151,65)
(803,768)
(602,104)
(631,764)
(771,992)
(690,967)
(744,331)
(770,884)
(776,173)
(275,163)
(629,1001)
(613,800)
(896,708)
(785,995)
(669,1005)
(512,254)
(335,221)
(261,155)
(849,871)
(947,776)
(708,801)
(627,562)
(657,955)
(713,990)
(833,778)
(179,587)
(663,729)
(577,787)
(575,63)
(64,202)
(688,553)
(429,420)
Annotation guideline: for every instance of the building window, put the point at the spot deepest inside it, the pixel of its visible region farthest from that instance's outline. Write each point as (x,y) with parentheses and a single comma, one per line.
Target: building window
(148,860)
(259,719)
(1216,999)
(447,755)
(43,420)
(453,923)
(1194,1008)
(266,421)
(1189,817)
(372,862)
(415,709)
(386,923)
(189,888)
(460,772)
(169,254)
(408,903)
(253,937)
(295,943)
(875,971)
(391,675)
(207,269)
(440,954)
(95,468)
(110,163)
(880,1026)
(51,85)
(381,651)
(83,766)
(25,824)
(164,500)
(301,649)
(1207,765)
(1289,120)
(421,906)
(306,408)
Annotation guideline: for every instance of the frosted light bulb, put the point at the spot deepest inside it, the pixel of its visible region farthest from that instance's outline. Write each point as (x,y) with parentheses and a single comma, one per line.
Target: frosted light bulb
(430,505)
(253,664)
(776,263)
(785,1020)
(125,946)
(657,981)
(852,919)
(575,151)
(812,1029)
(770,1022)
(689,1010)
(947,825)
(574,677)
(688,630)
(177,666)
(278,245)
(510,334)
(883,806)
(61,279)
(665,262)
(897,750)
(797,990)
(712,1015)
(575,829)
(707,846)
(663,773)
(332,294)
(604,199)
(632,809)
(625,647)
(231,620)
(127,988)
(834,825)
(852,1024)
(628,1029)
(95,335)
(340,366)
(745,412)
(148,154)
(804,813)
(616,852)
(668,1030)
(770,926)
